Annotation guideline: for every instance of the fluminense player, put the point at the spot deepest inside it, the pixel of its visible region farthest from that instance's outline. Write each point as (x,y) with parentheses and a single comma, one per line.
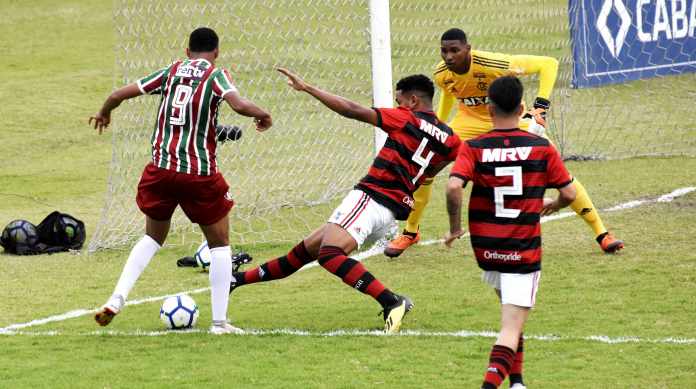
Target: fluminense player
(464,75)
(417,148)
(183,170)
(510,169)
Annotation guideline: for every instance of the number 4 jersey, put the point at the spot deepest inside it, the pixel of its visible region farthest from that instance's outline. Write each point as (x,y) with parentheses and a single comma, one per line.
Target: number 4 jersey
(418,147)
(184,136)
(510,170)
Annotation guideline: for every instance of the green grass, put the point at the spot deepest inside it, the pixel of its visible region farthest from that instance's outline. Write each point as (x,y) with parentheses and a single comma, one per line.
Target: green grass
(59,67)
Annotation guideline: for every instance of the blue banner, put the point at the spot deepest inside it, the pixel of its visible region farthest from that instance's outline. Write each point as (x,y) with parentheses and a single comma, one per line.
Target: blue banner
(621,40)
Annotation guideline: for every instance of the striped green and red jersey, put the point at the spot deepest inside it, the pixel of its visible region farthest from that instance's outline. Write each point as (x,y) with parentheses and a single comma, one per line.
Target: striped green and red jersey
(511,170)
(184,138)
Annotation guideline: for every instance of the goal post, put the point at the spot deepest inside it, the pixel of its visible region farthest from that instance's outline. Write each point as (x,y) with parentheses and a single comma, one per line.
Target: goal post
(286,181)
(380,45)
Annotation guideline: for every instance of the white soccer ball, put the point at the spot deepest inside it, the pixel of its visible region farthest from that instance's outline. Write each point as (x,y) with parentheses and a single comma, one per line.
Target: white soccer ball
(202,256)
(179,312)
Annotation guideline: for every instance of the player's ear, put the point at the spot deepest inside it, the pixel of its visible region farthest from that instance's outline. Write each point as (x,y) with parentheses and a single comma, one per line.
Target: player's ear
(188,53)
(520,110)
(491,110)
(414,101)
(216,52)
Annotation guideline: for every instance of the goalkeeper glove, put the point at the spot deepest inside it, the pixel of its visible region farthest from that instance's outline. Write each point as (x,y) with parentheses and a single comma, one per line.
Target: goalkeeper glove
(537,116)
(542,103)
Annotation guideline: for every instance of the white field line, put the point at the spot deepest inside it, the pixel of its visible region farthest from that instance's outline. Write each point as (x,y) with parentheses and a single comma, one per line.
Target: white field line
(13,328)
(376,333)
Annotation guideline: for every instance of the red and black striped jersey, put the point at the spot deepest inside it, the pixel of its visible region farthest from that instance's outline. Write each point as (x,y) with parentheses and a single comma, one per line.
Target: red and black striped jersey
(510,170)
(184,136)
(418,146)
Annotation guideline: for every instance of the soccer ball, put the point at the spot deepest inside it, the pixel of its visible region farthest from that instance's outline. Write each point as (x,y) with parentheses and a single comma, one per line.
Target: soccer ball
(19,232)
(202,256)
(179,312)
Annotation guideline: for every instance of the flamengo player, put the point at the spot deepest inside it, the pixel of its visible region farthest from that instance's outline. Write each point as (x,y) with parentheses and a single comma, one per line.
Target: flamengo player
(510,169)
(464,75)
(183,170)
(418,147)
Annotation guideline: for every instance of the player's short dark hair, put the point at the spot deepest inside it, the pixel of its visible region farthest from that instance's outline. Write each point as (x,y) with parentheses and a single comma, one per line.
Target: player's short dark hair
(454,34)
(417,82)
(505,93)
(203,40)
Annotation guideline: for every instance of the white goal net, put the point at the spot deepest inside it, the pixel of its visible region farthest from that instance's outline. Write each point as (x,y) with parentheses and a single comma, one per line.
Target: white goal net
(284,181)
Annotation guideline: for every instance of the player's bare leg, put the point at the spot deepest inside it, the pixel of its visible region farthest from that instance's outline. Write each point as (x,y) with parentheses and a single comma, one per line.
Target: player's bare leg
(502,355)
(155,234)
(336,245)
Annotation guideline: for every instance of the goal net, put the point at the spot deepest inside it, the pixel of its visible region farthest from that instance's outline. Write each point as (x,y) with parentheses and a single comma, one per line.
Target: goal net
(287,180)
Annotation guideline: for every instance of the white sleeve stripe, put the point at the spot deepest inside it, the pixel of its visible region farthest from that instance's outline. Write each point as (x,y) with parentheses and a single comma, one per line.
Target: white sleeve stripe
(223,92)
(233,89)
(140,86)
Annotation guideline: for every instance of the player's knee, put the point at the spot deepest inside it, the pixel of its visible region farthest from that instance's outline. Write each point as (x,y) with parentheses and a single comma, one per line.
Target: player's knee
(217,240)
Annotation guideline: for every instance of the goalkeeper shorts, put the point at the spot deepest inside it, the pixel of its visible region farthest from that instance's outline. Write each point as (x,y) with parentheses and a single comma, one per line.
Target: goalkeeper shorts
(363,218)
(204,199)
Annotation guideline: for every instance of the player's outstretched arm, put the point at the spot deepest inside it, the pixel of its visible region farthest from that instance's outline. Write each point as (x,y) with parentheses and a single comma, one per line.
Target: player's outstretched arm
(245,107)
(454,209)
(338,104)
(566,195)
(545,67)
(103,117)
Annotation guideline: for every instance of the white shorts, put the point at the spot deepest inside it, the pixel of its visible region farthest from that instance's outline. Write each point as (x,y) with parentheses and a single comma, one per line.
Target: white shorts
(515,289)
(365,220)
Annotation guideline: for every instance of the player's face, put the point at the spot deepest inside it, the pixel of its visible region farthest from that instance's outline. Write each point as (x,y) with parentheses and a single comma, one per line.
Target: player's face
(455,53)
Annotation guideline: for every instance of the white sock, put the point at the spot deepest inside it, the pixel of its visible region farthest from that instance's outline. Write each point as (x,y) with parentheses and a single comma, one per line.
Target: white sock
(220,275)
(139,258)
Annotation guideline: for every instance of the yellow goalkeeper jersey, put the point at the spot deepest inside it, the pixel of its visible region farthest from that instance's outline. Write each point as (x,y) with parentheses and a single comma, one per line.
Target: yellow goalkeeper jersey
(471,88)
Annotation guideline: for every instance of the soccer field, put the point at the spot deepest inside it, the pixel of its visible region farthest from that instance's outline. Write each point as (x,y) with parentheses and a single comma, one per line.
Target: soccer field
(623,321)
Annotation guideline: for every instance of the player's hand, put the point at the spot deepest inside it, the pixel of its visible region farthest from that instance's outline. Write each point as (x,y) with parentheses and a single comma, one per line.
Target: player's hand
(294,80)
(101,121)
(450,237)
(537,116)
(550,206)
(537,123)
(263,123)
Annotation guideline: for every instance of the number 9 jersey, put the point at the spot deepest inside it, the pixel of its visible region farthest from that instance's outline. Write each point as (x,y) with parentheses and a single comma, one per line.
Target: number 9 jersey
(184,137)
(511,170)
(418,146)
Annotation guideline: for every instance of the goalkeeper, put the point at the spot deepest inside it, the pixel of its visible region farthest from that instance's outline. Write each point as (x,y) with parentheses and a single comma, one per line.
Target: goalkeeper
(465,75)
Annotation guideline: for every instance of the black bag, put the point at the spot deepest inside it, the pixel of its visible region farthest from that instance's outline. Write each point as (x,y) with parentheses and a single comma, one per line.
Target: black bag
(60,232)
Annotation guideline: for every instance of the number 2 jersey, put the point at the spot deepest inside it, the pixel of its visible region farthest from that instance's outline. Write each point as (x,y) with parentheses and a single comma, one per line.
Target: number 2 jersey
(418,147)
(184,138)
(510,170)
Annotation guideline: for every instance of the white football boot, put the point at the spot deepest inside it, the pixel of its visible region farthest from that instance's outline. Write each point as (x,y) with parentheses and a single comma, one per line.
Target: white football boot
(225,328)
